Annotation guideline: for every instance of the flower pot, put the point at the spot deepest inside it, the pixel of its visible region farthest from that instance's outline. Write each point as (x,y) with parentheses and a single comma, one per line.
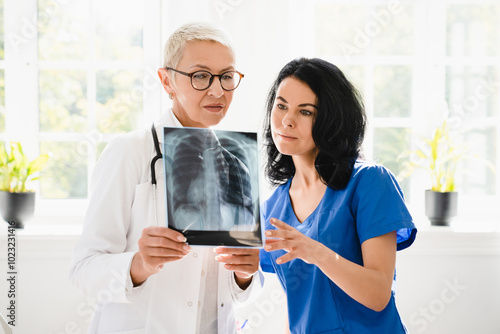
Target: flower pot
(17,207)
(440,207)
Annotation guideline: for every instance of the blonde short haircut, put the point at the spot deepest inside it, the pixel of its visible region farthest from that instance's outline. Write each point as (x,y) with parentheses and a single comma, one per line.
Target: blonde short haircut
(174,46)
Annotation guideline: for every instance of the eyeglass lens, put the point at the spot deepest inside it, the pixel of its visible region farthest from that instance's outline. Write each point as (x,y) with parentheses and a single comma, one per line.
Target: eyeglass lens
(228,80)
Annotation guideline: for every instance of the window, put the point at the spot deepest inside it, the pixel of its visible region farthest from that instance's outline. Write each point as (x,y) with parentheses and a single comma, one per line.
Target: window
(88,87)
(374,45)
(415,61)
(79,73)
(2,71)
(471,86)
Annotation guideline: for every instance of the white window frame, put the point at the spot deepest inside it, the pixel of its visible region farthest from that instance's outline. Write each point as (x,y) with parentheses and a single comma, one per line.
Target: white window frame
(428,63)
(21,82)
(260,59)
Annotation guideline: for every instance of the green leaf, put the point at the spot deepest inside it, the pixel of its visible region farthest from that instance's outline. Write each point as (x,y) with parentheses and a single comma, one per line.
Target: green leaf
(15,168)
(37,164)
(441,159)
(4,156)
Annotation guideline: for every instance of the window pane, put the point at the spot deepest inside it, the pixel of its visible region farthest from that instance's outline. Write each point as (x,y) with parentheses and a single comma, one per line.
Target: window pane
(388,144)
(475,175)
(62,30)
(350,30)
(2,101)
(2,76)
(119,100)
(472,91)
(99,148)
(63,104)
(392,29)
(65,175)
(472,30)
(2,37)
(356,75)
(392,91)
(337,29)
(120,22)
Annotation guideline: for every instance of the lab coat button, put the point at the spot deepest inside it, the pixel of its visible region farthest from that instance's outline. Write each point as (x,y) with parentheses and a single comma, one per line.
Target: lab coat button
(195,255)
(190,304)
(222,305)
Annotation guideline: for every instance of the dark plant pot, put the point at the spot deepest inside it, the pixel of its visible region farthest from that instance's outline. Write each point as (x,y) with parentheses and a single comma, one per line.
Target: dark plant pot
(440,208)
(16,208)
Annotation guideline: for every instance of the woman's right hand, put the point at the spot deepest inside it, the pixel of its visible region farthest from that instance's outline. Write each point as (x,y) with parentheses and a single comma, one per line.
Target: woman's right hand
(157,246)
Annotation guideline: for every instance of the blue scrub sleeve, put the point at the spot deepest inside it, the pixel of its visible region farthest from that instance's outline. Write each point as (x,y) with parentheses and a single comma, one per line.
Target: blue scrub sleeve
(265,259)
(265,262)
(380,208)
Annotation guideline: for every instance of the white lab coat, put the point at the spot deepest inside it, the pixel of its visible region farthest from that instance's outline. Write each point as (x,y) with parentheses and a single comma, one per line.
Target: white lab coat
(121,205)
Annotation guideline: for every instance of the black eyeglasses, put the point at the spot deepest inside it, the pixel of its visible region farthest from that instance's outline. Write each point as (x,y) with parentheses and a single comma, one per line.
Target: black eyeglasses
(201,80)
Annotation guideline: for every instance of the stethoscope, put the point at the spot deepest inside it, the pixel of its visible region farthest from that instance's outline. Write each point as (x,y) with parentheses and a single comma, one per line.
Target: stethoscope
(157,157)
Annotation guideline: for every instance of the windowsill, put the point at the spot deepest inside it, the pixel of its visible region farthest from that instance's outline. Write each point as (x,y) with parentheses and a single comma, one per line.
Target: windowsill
(72,226)
(459,225)
(45,230)
(44,227)
(456,240)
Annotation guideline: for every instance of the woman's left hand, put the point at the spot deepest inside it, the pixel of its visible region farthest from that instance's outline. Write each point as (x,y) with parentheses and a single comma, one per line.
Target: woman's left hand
(296,244)
(244,262)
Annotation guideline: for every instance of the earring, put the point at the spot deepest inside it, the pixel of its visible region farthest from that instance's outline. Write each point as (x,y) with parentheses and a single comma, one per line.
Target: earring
(171,96)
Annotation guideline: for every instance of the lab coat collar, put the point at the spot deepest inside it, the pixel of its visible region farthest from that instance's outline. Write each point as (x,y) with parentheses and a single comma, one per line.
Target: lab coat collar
(167,119)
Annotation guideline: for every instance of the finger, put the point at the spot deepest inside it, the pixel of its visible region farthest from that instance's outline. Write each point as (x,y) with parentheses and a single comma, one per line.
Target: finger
(285,258)
(281,225)
(162,242)
(164,252)
(237,259)
(271,241)
(281,234)
(248,270)
(159,260)
(160,231)
(236,251)
(277,245)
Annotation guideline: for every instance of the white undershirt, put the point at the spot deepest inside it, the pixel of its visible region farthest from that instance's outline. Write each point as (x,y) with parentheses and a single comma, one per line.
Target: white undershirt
(207,302)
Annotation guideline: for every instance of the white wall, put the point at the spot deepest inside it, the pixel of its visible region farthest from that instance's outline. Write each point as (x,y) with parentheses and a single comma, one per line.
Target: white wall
(448,282)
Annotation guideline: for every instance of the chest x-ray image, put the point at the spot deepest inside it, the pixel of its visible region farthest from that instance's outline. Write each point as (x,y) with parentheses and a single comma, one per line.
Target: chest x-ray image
(212,185)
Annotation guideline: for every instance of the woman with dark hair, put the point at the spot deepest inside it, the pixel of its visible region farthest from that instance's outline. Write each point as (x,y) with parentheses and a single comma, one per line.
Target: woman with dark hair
(335,222)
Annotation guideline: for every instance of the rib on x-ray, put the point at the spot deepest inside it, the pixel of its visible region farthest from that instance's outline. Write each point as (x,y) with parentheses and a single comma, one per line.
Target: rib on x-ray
(210,186)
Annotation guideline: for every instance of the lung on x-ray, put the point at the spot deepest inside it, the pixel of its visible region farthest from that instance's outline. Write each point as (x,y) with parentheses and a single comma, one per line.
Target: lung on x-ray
(212,186)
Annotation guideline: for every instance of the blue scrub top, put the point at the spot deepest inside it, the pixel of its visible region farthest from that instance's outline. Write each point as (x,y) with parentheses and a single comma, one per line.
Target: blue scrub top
(371,205)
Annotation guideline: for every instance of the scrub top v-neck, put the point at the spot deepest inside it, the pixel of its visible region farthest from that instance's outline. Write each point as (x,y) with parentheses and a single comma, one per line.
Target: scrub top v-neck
(295,220)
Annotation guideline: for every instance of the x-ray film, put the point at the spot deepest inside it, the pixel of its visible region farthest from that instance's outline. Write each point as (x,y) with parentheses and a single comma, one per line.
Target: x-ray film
(212,186)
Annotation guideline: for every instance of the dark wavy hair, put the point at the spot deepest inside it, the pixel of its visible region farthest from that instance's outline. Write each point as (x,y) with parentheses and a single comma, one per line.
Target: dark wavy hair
(338,129)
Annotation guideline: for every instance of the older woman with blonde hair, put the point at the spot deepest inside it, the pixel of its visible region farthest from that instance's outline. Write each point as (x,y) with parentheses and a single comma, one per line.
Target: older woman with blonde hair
(146,278)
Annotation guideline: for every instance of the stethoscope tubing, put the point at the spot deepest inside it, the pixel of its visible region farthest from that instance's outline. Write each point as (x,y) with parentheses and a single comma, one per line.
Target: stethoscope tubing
(157,157)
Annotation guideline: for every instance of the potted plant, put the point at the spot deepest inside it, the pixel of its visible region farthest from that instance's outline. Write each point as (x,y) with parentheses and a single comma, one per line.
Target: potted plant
(438,155)
(17,198)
